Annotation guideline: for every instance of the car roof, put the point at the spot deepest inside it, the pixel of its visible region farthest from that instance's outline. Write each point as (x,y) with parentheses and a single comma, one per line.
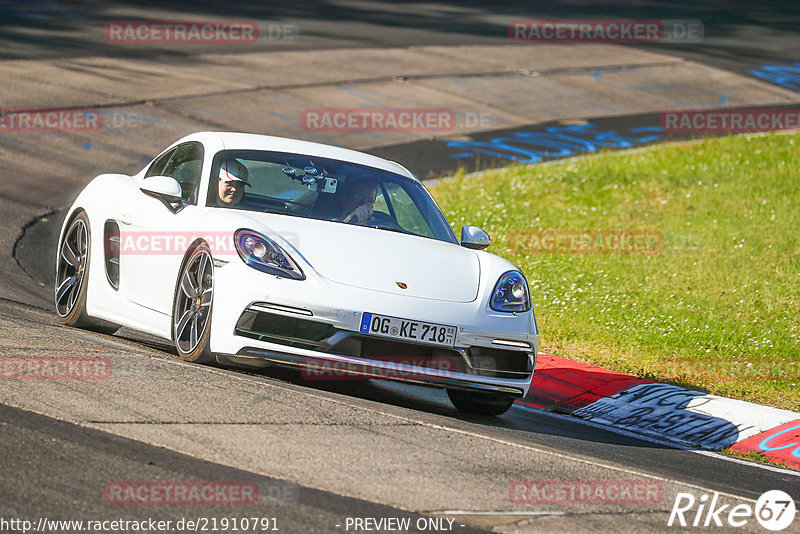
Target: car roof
(247,141)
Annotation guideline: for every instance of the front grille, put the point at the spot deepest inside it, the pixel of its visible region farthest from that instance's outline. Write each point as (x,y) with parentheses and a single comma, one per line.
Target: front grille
(304,333)
(488,361)
(376,348)
(285,330)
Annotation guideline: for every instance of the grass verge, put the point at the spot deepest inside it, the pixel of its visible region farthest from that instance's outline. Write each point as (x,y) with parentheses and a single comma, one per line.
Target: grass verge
(679,263)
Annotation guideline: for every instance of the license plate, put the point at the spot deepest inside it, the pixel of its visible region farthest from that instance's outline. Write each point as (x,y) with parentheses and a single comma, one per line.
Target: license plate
(419,331)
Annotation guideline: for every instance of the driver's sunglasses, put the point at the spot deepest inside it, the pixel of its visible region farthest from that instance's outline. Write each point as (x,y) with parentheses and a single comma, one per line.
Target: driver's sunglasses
(364,199)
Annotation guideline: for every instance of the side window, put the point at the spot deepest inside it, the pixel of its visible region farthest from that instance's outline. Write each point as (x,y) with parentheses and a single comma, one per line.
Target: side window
(184,163)
(159,164)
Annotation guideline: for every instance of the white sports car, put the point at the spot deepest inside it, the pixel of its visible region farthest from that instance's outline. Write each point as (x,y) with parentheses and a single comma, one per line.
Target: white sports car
(253,250)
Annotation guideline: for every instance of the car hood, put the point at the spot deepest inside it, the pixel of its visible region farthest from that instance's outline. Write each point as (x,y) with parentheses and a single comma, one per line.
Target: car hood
(379,260)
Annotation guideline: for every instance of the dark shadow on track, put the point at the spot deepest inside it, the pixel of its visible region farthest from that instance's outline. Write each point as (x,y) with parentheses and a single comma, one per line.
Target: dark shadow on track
(738,34)
(427,400)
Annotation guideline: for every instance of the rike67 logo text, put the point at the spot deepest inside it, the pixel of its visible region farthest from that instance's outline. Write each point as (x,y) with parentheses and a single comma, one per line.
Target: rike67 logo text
(774,510)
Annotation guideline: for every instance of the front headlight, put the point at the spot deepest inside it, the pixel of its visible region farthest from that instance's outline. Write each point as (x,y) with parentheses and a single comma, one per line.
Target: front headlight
(511,294)
(262,253)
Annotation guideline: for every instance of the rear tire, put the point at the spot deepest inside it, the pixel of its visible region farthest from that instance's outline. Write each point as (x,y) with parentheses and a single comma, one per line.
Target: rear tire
(479,403)
(72,278)
(191,311)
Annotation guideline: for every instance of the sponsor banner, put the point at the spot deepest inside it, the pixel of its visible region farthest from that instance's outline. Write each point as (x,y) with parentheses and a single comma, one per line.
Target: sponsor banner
(585,492)
(180,32)
(585,242)
(399,367)
(729,120)
(781,444)
(50,120)
(159,493)
(685,416)
(605,31)
(58,368)
(378,120)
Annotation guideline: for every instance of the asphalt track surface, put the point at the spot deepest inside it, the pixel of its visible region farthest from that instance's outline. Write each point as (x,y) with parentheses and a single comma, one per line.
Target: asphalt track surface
(344,449)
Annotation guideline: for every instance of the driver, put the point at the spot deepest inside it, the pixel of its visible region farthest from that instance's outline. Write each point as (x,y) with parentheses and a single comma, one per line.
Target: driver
(232,181)
(358,201)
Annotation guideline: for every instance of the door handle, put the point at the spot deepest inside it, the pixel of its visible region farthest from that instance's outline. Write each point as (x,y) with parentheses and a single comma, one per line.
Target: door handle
(125,219)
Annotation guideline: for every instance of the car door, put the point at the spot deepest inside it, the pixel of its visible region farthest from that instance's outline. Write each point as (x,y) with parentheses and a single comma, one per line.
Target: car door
(154,236)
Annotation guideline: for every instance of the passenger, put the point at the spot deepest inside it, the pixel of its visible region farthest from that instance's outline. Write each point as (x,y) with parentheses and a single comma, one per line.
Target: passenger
(232,181)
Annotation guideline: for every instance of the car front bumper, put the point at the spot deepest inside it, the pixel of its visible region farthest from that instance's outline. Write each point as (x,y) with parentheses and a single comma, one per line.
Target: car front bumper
(493,352)
(326,366)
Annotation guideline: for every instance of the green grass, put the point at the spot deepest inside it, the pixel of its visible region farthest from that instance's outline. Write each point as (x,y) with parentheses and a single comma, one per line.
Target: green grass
(717,308)
(756,456)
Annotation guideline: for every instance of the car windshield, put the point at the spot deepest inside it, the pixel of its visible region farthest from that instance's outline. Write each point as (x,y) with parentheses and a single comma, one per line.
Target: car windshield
(327,189)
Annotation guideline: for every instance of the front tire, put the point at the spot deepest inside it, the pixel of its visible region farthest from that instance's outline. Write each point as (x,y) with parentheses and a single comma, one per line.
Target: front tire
(191,312)
(72,278)
(479,403)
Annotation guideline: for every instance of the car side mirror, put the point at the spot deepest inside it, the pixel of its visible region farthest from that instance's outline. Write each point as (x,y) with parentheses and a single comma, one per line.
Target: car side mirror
(473,237)
(164,188)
